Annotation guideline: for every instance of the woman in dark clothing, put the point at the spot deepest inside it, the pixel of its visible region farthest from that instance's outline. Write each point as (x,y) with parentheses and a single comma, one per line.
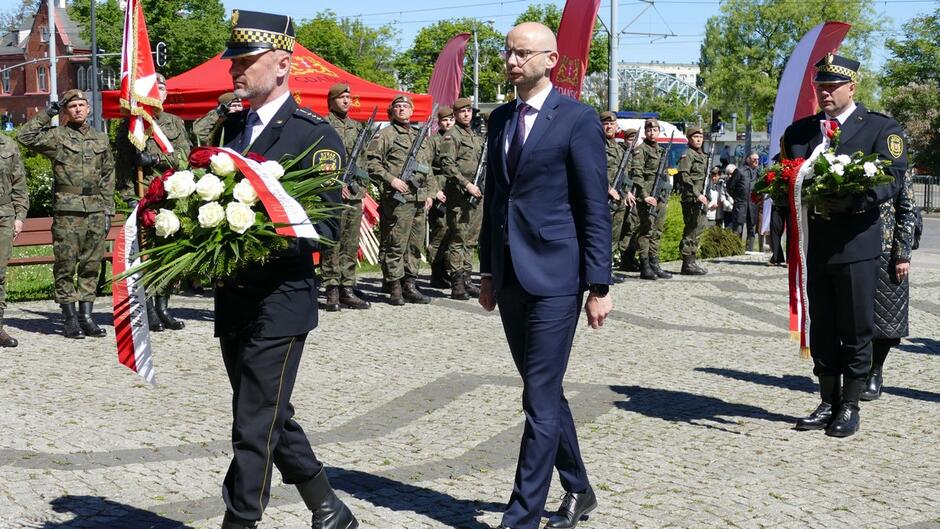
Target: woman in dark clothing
(891,296)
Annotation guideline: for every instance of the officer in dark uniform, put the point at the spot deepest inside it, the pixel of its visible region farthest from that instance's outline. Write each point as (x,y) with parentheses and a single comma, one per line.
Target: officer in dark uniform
(263,314)
(844,246)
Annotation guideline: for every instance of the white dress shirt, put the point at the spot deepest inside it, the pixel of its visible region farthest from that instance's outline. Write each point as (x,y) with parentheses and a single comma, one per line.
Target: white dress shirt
(266,114)
(535,105)
(845,115)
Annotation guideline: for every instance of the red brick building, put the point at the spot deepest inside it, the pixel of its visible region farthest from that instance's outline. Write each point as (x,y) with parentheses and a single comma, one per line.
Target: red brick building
(24,89)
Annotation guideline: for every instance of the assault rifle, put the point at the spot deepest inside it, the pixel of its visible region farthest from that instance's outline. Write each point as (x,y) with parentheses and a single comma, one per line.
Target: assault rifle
(412,165)
(353,174)
(479,179)
(707,191)
(661,183)
(623,182)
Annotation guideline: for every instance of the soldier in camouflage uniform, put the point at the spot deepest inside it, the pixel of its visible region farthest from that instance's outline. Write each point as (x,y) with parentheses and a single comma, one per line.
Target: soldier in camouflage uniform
(152,161)
(205,127)
(619,205)
(439,241)
(690,180)
(462,218)
(83,181)
(14,203)
(644,164)
(624,234)
(338,266)
(403,225)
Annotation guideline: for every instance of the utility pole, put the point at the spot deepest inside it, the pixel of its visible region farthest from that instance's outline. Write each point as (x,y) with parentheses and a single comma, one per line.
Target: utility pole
(96,120)
(476,70)
(53,82)
(613,85)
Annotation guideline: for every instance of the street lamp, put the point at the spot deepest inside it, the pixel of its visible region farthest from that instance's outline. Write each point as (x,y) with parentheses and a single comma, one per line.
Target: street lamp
(476,65)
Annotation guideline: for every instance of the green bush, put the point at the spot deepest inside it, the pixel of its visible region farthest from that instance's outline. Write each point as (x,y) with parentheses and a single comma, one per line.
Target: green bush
(720,242)
(672,233)
(38,182)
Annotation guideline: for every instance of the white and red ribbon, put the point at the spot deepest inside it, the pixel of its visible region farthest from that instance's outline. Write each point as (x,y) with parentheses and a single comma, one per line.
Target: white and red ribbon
(131,326)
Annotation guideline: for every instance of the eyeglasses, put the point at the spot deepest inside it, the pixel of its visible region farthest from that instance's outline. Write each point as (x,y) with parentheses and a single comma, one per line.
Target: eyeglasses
(522,55)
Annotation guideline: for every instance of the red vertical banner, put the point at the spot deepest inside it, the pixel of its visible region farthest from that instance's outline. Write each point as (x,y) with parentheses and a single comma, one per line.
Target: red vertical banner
(444,85)
(574,42)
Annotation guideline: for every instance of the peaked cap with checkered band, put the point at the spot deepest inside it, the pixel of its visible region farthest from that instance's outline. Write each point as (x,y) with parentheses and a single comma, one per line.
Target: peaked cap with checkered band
(254,32)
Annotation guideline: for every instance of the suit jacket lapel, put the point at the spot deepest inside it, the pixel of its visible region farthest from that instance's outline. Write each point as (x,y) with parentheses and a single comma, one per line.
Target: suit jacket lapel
(542,122)
(852,124)
(500,145)
(272,132)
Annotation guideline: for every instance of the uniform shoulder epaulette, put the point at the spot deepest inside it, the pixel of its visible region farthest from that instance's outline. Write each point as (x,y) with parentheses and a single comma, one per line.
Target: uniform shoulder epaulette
(309,115)
(684,156)
(880,114)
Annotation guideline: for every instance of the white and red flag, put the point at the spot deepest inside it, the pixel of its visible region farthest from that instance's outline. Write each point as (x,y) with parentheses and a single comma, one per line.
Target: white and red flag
(139,95)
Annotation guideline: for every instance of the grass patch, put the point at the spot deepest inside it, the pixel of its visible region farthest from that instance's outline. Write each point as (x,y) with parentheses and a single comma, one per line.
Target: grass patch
(34,282)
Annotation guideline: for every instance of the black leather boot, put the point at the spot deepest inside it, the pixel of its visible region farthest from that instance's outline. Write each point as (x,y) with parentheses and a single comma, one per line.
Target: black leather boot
(161,304)
(394,294)
(830,393)
(628,262)
(71,328)
(690,267)
(645,271)
(409,291)
(458,289)
(846,420)
(332,298)
(439,275)
(349,299)
(660,273)
(86,321)
(156,324)
(6,340)
(873,385)
(472,289)
(328,511)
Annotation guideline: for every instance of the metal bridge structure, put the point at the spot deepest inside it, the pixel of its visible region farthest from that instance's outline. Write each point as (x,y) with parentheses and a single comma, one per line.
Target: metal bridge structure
(663,83)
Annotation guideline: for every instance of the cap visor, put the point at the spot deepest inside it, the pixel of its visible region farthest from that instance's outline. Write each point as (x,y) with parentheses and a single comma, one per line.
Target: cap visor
(234,53)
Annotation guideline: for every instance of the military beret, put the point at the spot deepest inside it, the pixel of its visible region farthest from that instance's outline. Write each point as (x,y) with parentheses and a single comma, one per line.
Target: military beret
(651,122)
(254,32)
(462,103)
(692,131)
(444,112)
(161,79)
(72,95)
(401,98)
(608,115)
(629,132)
(337,90)
(836,69)
(227,98)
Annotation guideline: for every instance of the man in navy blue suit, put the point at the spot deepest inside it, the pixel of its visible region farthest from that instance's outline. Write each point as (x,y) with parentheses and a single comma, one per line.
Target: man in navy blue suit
(545,241)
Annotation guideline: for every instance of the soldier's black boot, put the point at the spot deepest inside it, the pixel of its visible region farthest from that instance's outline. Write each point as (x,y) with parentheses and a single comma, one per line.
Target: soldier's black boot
(873,384)
(409,291)
(86,321)
(830,392)
(6,340)
(395,294)
(161,304)
(628,262)
(471,288)
(660,273)
(439,275)
(156,324)
(645,271)
(329,512)
(690,267)
(332,298)
(71,328)
(349,299)
(458,289)
(845,421)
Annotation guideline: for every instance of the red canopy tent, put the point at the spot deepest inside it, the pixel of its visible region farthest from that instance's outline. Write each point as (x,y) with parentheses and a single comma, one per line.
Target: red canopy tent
(193,93)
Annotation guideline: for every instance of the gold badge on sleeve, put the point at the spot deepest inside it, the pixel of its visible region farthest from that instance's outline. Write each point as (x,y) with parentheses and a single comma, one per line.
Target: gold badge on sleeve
(895,145)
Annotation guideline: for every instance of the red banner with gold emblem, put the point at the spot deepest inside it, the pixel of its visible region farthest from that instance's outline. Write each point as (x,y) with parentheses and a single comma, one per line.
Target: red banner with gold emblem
(574,42)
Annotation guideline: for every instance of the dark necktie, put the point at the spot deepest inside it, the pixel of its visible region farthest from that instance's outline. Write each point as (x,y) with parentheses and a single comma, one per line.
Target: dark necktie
(250,121)
(518,140)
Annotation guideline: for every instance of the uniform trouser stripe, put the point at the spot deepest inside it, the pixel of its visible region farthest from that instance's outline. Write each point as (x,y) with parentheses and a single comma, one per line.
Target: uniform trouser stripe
(277,407)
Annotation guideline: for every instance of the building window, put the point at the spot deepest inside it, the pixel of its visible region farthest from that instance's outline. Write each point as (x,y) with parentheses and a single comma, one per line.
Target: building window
(107,78)
(5,78)
(80,78)
(43,34)
(41,77)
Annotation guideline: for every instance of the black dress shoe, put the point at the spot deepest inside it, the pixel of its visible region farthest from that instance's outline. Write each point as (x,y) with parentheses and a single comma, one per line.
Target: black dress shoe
(819,419)
(873,386)
(845,421)
(573,507)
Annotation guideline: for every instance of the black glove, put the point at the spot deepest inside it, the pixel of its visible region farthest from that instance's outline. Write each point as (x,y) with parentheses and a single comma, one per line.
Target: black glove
(221,110)
(107,224)
(132,203)
(52,109)
(145,159)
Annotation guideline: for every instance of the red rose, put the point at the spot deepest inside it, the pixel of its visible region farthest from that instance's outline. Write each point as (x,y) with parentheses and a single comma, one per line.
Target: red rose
(155,191)
(147,217)
(199,157)
(256,157)
(770,176)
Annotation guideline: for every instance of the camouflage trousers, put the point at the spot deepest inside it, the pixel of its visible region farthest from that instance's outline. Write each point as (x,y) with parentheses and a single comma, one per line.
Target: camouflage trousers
(625,230)
(440,237)
(694,217)
(6,250)
(78,244)
(463,222)
(338,265)
(402,230)
(650,230)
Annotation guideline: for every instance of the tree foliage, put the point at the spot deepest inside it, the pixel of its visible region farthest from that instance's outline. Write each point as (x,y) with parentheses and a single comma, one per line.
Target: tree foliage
(747,46)
(416,64)
(194,30)
(910,81)
(645,97)
(550,15)
(10,19)
(348,43)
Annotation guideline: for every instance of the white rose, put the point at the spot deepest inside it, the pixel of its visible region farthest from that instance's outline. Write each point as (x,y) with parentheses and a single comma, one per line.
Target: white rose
(222,165)
(166,223)
(870,169)
(844,159)
(209,187)
(244,193)
(829,158)
(180,184)
(211,215)
(838,169)
(272,169)
(240,217)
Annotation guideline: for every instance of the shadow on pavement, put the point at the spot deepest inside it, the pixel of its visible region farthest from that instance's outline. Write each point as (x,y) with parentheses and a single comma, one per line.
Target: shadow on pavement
(808,385)
(95,512)
(679,406)
(924,346)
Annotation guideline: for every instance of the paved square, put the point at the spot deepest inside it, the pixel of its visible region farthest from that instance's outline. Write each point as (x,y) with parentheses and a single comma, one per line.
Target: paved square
(685,403)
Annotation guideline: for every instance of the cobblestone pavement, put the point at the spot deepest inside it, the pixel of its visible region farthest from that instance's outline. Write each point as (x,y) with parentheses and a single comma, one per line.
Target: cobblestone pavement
(685,403)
